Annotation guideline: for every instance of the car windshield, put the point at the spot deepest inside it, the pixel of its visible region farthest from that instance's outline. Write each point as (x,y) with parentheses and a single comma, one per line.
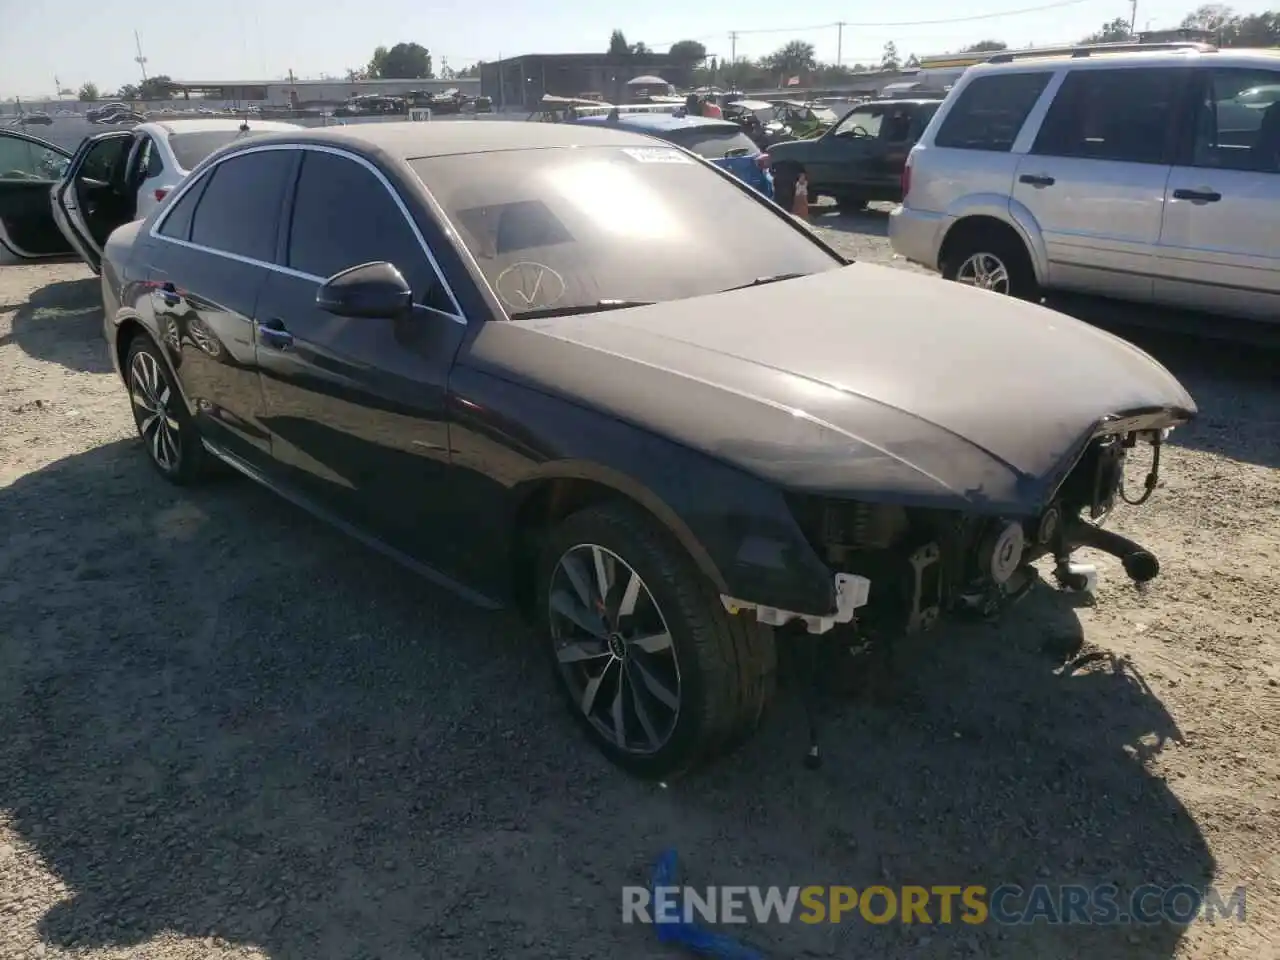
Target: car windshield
(712,142)
(563,229)
(190,148)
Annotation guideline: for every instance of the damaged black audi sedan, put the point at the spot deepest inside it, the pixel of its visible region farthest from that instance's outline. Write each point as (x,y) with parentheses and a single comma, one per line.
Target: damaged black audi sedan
(586,373)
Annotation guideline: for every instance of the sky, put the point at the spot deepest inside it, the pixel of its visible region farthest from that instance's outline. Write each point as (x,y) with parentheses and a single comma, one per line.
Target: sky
(78,41)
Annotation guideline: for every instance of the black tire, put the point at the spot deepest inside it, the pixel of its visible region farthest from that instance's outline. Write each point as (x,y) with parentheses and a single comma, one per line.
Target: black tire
(725,667)
(1002,246)
(168,434)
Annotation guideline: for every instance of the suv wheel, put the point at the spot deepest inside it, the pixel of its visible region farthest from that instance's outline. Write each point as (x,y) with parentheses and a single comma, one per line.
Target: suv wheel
(992,260)
(166,429)
(651,664)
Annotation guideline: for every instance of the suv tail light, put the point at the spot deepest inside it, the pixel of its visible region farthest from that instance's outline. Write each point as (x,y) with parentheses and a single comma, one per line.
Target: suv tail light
(762,161)
(906,179)
(161,193)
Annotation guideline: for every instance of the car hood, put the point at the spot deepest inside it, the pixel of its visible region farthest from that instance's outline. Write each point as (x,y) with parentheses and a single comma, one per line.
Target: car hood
(864,381)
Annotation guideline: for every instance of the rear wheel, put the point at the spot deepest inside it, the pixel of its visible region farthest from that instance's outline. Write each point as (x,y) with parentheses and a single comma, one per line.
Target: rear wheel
(167,431)
(660,676)
(990,258)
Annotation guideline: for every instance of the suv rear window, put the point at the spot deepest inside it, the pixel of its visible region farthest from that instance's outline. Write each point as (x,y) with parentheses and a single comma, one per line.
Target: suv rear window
(990,111)
(712,143)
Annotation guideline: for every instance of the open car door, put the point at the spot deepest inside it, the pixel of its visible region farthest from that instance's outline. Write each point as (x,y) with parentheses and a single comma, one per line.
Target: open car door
(93,196)
(29,168)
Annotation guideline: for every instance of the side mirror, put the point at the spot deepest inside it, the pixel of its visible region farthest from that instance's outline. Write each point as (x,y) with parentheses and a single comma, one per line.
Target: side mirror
(370,290)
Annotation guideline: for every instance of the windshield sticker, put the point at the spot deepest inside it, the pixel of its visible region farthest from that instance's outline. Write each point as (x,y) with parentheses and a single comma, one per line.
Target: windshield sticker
(656,155)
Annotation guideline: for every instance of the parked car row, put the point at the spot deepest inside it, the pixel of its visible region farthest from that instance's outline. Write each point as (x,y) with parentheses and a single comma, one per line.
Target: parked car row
(576,370)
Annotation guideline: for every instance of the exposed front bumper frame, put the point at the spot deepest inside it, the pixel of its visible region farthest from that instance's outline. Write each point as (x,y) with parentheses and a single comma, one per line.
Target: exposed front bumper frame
(852,592)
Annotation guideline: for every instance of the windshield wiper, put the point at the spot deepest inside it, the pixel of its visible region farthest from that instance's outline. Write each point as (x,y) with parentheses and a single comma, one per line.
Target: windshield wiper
(761,281)
(598,307)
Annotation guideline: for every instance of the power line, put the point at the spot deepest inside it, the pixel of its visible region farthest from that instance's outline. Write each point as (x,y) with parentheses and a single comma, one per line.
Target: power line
(897,23)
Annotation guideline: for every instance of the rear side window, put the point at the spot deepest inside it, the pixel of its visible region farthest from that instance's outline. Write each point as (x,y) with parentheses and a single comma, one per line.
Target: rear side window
(344,216)
(713,144)
(1237,120)
(177,225)
(1123,115)
(990,111)
(190,148)
(238,212)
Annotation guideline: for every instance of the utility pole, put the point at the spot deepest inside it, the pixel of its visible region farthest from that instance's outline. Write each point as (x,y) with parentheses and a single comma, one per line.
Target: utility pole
(1133,18)
(140,60)
(733,59)
(840,44)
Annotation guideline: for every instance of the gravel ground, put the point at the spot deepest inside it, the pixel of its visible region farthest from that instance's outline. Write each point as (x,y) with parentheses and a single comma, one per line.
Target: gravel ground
(230,732)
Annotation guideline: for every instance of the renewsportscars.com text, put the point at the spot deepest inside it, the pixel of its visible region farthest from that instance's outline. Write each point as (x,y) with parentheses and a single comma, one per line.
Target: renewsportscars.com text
(1007,904)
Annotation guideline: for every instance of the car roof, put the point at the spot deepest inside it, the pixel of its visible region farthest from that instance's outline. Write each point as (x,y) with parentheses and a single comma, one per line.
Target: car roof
(656,122)
(1102,59)
(410,140)
(174,127)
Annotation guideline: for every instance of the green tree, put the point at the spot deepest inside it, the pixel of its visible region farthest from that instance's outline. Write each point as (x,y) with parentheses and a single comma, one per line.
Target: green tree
(1257,30)
(689,52)
(404,61)
(159,87)
(89,92)
(889,59)
(129,92)
(471,72)
(791,60)
(1115,31)
(618,46)
(1215,17)
(640,49)
(986,46)
(912,61)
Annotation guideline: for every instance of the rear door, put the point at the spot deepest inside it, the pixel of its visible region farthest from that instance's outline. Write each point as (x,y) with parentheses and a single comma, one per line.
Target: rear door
(91,198)
(356,407)
(213,249)
(1095,177)
(29,167)
(1220,243)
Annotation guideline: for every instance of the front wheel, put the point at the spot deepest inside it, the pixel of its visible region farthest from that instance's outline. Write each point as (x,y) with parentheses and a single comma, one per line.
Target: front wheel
(660,676)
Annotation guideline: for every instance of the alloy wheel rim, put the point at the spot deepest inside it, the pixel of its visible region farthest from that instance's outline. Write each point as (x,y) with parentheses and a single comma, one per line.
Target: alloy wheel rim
(985,271)
(614,649)
(159,429)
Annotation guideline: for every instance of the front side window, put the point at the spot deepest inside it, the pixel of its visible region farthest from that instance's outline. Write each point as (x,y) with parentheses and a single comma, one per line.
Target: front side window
(672,229)
(239,210)
(1119,115)
(860,123)
(344,216)
(21,159)
(1237,122)
(989,112)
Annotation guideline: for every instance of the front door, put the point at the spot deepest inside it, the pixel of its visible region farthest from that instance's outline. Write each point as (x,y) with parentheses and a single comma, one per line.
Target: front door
(846,156)
(1220,244)
(92,198)
(214,248)
(1095,177)
(356,407)
(29,167)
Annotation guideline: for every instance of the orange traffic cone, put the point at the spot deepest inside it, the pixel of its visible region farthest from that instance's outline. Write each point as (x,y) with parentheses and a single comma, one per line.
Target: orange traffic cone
(800,205)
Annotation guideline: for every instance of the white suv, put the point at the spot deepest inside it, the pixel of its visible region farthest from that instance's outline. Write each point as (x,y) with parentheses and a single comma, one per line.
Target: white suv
(1152,175)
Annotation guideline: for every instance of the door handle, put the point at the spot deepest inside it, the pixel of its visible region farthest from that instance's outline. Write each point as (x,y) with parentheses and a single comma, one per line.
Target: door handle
(272,333)
(1197,196)
(1037,180)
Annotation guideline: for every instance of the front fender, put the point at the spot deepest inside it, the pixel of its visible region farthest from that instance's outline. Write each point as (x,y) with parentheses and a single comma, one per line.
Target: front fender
(738,530)
(1010,212)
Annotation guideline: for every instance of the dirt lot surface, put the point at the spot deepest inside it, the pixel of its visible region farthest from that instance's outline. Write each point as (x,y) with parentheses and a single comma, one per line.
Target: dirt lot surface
(227,731)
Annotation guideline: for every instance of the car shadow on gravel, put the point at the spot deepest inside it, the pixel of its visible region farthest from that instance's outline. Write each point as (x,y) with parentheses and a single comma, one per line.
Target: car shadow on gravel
(871,222)
(62,323)
(226,721)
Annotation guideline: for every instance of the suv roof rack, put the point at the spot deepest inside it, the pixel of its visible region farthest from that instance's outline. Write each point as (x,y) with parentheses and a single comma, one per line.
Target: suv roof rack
(1089,49)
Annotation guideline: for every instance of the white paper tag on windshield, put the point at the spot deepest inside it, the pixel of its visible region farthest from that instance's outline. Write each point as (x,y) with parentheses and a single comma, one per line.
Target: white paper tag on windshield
(656,155)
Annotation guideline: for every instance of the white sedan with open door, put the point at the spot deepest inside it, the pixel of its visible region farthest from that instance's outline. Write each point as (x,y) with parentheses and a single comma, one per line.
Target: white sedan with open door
(57,205)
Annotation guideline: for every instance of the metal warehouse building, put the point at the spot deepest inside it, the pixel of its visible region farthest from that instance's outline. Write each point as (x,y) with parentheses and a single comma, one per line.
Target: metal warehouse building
(522,81)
